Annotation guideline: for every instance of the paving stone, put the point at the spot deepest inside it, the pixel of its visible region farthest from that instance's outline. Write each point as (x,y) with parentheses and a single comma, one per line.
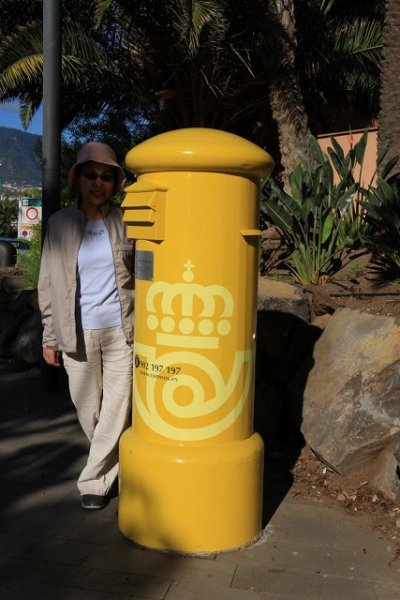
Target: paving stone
(183,569)
(321,526)
(53,522)
(96,531)
(109,512)
(25,498)
(313,586)
(43,572)
(288,556)
(14,545)
(294,524)
(12,589)
(187,591)
(45,463)
(61,551)
(44,430)
(321,537)
(117,582)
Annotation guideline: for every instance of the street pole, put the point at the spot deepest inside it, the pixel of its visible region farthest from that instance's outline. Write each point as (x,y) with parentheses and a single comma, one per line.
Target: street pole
(51,142)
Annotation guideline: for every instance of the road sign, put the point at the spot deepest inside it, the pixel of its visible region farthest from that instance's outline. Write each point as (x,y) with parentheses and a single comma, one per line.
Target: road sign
(29,214)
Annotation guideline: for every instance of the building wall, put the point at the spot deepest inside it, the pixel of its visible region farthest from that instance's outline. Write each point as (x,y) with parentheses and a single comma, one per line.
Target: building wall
(347,139)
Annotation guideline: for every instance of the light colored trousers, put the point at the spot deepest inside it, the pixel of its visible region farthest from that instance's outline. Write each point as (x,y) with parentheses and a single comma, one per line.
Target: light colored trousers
(100,385)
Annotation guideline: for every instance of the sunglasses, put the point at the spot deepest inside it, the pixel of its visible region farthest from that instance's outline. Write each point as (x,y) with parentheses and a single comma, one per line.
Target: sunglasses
(93,176)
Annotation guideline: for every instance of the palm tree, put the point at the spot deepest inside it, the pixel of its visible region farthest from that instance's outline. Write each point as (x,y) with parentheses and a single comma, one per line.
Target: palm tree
(339,56)
(389,131)
(285,95)
(140,68)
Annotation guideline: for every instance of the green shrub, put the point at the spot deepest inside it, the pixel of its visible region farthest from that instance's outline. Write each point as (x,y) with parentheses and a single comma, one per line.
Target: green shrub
(383,237)
(8,217)
(310,217)
(321,223)
(29,262)
(353,223)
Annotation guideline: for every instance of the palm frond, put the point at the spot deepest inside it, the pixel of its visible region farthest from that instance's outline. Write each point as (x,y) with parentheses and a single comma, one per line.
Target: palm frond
(14,78)
(101,7)
(361,39)
(192,17)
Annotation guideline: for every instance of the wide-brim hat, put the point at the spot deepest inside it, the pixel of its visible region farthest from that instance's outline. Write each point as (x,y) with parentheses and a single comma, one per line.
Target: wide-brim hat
(97,152)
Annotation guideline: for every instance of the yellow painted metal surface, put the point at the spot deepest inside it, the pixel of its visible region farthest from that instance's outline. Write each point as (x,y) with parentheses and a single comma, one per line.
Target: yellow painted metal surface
(191,466)
(191,498)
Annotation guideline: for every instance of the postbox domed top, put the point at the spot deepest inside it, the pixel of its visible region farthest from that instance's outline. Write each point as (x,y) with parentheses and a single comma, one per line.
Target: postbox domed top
(199,149)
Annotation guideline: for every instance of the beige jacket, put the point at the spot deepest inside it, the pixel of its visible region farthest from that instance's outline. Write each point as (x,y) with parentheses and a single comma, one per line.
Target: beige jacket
(58,274)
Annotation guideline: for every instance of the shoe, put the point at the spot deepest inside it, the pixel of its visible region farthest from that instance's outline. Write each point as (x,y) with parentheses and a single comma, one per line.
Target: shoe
(93,502)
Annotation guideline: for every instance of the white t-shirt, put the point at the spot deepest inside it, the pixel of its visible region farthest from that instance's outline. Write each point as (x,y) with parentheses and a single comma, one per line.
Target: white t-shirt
(97,293)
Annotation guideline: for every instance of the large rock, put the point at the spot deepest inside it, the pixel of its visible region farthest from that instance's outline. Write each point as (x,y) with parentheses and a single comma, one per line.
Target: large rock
(27,345)
(284,337)
(283,340)
(14,319)
(25,300)
(283,297)
(10,324)
(351,403)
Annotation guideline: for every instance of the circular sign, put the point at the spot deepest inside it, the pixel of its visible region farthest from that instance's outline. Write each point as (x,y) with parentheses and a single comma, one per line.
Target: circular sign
(32,213)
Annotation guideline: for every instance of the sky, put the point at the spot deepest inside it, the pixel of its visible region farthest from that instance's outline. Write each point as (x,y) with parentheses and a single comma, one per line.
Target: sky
(9,117)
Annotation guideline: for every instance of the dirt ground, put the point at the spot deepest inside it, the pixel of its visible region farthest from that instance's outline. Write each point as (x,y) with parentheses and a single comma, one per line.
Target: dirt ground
(354,286)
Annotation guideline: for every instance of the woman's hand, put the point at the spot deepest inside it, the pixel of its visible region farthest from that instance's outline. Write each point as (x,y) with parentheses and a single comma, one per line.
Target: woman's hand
(51,355)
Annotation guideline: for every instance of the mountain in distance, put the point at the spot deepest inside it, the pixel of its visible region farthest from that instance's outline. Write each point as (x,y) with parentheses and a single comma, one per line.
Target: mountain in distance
(20,166)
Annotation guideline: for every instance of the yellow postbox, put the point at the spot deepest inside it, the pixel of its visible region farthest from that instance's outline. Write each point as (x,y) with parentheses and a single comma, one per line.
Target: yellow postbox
(191,466)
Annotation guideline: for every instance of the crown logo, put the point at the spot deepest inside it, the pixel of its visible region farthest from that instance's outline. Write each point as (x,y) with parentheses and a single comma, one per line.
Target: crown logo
(189,315)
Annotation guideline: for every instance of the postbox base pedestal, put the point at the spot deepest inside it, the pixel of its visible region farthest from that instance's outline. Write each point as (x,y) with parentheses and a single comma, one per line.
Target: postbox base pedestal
(190,499)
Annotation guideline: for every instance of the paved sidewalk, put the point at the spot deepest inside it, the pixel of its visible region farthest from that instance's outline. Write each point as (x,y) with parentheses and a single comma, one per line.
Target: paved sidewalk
(50,549)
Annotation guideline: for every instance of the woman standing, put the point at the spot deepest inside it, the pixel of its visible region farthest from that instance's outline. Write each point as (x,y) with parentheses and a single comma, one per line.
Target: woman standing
(86,300)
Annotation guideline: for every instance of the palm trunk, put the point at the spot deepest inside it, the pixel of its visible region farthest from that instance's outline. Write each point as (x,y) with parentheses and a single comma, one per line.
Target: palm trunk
(285,95)
(389,122)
